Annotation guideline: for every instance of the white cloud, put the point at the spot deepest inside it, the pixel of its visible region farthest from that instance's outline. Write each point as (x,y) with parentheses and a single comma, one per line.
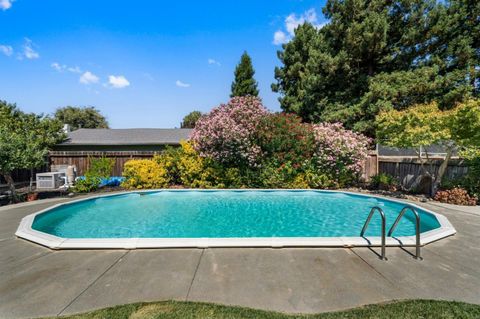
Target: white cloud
(75,69)
(28,50)
(292,21)
(6,49)
(62,67)
(213,61)
(88,78)
(117,82)
(58,67)
(181,84)
(6,4)
(279,37)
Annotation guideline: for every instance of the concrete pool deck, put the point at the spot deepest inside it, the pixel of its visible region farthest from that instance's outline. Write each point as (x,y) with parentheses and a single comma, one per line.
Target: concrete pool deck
(36,281)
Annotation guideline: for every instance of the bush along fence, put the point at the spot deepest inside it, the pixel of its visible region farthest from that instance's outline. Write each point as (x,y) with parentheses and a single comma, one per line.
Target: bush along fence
(405,170)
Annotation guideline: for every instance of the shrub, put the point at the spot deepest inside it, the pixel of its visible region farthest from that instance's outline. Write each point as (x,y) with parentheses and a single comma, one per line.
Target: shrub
(87,184)
(273,176)
(100,168)
(169,159)
(284,138)
(456,196)
(339,153)
(316,179)
(384,181)
(227,133)
(184,166)
(194,170)
(145,173)
(470,182)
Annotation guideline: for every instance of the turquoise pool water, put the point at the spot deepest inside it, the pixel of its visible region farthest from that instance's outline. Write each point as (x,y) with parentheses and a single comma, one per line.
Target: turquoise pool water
(225,214)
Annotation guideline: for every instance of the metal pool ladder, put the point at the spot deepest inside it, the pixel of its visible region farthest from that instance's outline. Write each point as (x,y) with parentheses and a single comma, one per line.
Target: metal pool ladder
(417,228)
(365,226)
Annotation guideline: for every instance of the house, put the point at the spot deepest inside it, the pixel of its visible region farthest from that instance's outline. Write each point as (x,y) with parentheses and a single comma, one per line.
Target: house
(122,144)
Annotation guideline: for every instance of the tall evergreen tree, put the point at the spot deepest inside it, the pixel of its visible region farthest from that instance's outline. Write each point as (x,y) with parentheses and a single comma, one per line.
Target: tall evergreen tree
(380,54)
(244,82)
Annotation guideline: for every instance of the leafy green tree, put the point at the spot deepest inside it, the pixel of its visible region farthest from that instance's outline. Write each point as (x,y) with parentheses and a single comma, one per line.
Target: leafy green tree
(425,124)
(24,140)
(379,55)
(190,119)
(81,117)
(244,83)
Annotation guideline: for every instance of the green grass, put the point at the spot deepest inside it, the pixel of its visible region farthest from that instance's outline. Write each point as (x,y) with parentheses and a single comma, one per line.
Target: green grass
(184,310)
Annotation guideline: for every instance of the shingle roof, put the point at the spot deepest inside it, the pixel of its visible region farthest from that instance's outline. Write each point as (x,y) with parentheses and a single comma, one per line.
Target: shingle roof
(135,136)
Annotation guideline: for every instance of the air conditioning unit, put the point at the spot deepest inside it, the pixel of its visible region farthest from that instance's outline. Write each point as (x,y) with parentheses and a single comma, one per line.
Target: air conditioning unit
(52,180)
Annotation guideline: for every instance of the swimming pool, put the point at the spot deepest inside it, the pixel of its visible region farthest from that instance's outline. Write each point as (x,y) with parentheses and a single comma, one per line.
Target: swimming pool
(225,218)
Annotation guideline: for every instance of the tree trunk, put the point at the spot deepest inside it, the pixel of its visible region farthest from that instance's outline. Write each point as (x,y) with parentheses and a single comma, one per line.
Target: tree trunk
(30,186)
(441,171)
(11,186)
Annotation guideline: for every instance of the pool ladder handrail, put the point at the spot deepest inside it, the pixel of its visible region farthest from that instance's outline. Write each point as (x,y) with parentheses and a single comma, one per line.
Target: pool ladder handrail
(417,228)
(367,222)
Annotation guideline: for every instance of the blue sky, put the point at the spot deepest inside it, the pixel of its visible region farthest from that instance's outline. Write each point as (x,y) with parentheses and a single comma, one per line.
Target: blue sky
(142,63)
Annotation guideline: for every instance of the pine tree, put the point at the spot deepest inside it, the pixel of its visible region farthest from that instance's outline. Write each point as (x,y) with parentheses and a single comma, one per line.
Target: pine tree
(244,83)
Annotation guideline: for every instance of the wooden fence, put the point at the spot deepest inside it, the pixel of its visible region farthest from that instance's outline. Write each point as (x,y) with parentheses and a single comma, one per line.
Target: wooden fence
(409,170)
(81,160)
(370,167)
(22,176)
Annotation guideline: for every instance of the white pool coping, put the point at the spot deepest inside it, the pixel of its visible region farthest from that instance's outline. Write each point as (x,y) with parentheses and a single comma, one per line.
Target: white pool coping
(26,231)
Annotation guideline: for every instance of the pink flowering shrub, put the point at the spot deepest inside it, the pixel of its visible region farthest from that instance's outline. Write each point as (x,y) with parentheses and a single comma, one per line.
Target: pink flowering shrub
(339,152)
(227,133)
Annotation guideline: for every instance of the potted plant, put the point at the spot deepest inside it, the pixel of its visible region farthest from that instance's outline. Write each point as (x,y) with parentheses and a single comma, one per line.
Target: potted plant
(31,196)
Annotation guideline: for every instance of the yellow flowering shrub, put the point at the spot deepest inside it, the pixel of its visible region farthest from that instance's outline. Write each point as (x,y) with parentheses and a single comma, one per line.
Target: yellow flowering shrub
(145,174)
(180,166)
(194,170)
(300,181)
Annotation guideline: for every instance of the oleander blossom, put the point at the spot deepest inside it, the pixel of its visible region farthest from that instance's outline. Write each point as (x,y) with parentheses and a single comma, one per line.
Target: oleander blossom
(226,134)
(339,151)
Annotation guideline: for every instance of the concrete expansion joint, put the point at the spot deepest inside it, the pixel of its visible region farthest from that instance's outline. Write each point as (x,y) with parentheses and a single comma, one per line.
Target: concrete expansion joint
(195,274)
(93,282)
